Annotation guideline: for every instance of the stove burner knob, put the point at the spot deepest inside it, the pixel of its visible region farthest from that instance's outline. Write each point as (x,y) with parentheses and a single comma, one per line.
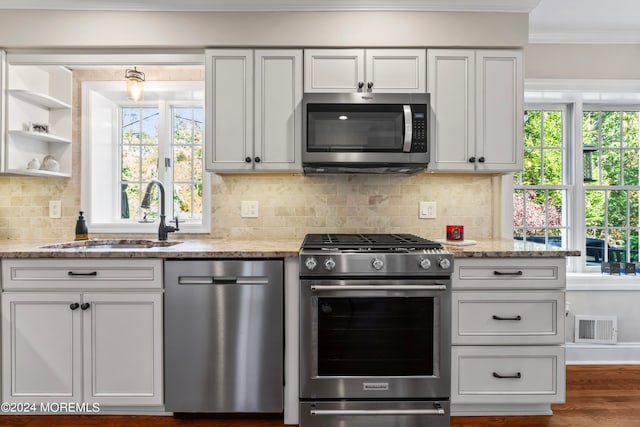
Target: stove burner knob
(444,263)
(311,263)
(329,264)
(425,264)
(377,263)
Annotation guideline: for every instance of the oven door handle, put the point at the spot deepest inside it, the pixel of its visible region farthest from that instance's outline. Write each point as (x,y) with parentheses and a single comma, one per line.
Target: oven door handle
(435,411)
(436,287)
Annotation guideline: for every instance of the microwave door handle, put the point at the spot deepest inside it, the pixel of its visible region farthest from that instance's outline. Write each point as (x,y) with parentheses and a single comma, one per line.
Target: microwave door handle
(408,128)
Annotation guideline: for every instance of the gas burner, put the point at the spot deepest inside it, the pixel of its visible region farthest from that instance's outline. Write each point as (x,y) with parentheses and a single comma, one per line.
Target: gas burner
(359,242)
(376,255)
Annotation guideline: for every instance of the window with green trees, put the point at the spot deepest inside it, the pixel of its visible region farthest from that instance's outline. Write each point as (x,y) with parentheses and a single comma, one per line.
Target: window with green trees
(604,194)
(540,190)
(611,140)
(166,144)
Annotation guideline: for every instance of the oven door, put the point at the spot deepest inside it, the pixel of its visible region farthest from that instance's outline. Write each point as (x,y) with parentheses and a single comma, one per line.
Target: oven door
(375,339)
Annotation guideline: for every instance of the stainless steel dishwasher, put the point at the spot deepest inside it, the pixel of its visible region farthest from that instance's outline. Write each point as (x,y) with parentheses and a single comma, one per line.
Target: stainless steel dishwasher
(223,336)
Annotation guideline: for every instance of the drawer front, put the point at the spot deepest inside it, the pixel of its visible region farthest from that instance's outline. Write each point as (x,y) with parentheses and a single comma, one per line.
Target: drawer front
(21,274)
(505,273)
(496,317)
(505,374)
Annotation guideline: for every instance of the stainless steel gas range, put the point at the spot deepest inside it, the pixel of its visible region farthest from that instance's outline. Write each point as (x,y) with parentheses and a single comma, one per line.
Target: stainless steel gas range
(375,331)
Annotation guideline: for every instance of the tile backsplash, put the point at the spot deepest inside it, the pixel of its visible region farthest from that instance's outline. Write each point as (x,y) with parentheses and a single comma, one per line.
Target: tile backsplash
(290,205)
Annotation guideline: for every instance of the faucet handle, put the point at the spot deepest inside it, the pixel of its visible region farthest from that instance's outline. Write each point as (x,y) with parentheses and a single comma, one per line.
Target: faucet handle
(176,220)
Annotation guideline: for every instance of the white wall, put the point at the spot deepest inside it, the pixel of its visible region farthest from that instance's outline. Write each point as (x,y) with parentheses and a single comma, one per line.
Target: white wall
(21,29)
(582,61)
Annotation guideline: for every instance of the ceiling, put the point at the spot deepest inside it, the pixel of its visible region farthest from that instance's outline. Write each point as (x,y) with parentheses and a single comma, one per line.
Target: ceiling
(550,21)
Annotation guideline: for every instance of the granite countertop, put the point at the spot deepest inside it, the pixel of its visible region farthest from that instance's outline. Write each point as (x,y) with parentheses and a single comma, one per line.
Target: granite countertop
(226,248)
(209,248)
(507,249)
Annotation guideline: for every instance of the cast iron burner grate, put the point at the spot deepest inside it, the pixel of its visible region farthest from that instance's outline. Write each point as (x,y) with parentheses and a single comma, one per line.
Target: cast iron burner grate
(374,241)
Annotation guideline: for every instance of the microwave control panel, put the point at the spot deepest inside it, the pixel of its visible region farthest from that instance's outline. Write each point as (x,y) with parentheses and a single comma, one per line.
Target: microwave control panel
(419,137)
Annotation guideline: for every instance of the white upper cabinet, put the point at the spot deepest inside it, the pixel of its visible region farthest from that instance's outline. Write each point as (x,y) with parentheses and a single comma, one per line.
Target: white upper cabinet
(253,115)
(365,70)
(38,120)
(476,110)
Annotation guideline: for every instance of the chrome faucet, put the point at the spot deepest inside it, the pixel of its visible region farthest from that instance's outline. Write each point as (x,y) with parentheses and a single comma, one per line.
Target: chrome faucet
(163,229)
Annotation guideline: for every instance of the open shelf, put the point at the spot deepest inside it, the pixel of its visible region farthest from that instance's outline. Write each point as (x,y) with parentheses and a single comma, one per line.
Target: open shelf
(39,99)
(40,136)
(37,172)
(37,95)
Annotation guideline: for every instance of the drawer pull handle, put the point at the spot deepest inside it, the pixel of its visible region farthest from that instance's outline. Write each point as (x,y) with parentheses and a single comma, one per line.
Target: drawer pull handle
(507,273)
(497,375)
(88,273)
(518,317)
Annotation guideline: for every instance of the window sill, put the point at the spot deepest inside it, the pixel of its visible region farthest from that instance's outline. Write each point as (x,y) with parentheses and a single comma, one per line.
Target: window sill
(602,282)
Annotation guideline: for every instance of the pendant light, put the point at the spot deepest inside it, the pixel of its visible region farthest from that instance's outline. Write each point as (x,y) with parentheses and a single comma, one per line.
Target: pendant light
(135,84)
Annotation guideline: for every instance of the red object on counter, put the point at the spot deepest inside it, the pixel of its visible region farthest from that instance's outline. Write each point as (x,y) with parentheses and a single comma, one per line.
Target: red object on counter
(455,232)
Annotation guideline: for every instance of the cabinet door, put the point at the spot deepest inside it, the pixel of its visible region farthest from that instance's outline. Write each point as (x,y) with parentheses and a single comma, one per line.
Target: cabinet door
(499,110)
(451,84)
(396,70)
(41,347)
(122,346)
(334,70)
(229,110)
(278,119)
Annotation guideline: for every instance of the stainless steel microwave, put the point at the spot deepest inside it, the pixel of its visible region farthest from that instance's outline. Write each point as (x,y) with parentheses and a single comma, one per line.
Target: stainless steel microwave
(365,132)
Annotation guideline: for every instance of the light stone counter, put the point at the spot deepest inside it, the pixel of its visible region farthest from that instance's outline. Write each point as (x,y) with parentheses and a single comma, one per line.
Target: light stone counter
(186,249)
(508,249)
(223,248)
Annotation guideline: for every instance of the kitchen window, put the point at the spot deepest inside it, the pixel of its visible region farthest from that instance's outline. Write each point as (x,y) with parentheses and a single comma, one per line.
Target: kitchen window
(127,144)
(579,187)
(540,198)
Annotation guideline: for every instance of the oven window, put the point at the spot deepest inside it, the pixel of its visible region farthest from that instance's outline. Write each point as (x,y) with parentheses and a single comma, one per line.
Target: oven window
(355,128)
(376,336)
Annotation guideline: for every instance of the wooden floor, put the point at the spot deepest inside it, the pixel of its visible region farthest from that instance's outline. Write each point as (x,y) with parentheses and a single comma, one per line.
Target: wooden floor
(597,396)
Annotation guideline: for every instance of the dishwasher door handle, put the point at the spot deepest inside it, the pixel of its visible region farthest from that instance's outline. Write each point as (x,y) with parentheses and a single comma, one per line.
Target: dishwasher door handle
(223,280)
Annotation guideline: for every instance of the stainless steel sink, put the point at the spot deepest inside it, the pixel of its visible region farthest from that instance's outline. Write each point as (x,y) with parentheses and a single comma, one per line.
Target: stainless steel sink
(103,244)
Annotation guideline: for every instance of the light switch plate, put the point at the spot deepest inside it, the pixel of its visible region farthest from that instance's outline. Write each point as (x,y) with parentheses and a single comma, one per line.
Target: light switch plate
(427,210)
(249,209)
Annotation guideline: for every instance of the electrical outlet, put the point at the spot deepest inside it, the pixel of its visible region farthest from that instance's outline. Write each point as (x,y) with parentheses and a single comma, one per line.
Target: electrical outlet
(249,209)
(427,210)
(55,209)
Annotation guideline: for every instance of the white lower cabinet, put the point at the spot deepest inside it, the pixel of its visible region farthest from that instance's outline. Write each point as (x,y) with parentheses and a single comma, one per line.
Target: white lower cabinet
(85,346)
(508,335)
(499,374)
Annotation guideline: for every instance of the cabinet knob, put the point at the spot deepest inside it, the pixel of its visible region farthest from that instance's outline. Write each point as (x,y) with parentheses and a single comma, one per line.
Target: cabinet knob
(472,159)
(481,160)
(74,306)
(85,305)
(247,159)
(257,160)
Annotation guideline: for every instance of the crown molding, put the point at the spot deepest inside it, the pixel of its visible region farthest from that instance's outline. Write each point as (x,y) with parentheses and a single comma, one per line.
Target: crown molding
(585,37)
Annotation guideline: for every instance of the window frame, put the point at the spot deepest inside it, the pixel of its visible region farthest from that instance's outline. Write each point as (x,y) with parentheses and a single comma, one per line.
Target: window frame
(577,94)
(567,155)
(165,127)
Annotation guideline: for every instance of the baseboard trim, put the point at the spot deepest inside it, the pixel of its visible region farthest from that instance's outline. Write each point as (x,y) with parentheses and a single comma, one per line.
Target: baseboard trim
(486,410)
(602,354)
